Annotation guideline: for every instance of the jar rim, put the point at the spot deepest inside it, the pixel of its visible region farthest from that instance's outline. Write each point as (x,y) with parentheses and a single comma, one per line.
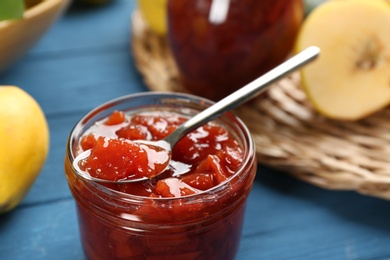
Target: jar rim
(247,142)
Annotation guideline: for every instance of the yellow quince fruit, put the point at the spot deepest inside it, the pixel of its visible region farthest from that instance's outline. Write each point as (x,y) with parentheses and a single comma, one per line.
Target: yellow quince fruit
(24,144)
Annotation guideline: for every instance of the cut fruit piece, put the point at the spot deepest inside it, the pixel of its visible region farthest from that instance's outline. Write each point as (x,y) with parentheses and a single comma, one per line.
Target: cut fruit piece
(351,78)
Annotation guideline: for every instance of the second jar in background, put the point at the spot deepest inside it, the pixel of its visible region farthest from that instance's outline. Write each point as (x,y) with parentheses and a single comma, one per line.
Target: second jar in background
(220,45)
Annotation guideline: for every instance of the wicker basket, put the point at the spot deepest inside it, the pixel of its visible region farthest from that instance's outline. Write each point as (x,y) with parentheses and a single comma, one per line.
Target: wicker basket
(288,133)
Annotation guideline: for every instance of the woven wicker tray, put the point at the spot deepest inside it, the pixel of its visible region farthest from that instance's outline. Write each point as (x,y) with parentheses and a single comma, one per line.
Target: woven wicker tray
(288,134)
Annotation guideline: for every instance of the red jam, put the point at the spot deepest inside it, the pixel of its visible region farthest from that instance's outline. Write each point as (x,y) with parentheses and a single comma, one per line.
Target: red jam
(198,215)
(209,152)
(219,46)
(121,159)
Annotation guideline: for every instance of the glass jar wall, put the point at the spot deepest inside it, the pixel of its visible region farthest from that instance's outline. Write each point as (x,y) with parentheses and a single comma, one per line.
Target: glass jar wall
(206,225)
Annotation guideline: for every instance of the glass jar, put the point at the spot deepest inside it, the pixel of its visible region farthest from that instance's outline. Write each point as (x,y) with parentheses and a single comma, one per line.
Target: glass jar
(221,45)
(115,225)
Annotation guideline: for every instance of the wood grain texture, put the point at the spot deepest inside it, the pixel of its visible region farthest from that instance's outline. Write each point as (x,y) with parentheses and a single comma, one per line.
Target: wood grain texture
(85,60)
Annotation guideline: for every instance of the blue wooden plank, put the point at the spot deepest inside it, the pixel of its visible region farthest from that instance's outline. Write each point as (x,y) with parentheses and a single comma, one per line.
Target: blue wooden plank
(85,81)
(288,219)
(46,231)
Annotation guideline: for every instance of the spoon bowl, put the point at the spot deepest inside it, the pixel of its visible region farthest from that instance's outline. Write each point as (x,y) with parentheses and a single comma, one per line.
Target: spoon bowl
(230,102)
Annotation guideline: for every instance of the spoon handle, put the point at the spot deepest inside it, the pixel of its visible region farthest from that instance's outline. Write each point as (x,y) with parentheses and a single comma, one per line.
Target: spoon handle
(245,93)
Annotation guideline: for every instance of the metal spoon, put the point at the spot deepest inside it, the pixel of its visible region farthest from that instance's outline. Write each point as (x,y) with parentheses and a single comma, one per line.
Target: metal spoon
(228,103)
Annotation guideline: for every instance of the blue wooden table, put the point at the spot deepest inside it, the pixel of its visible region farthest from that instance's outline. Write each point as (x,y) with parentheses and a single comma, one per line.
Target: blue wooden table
(83,61)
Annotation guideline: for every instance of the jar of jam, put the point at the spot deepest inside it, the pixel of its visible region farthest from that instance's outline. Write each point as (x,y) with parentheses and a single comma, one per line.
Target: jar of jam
(197,215)
(221,45)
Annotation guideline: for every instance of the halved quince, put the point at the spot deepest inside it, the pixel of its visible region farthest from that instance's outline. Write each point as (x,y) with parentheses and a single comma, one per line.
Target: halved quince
(351,78)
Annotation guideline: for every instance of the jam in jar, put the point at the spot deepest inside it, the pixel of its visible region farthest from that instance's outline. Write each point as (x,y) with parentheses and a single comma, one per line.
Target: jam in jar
(197,215)
(221,45)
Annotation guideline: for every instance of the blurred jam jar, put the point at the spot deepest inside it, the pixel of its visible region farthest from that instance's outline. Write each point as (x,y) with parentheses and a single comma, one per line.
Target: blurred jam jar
(221,45)
(198,215)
